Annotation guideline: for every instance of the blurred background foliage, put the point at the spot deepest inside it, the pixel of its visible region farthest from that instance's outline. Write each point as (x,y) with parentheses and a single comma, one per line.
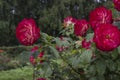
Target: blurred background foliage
(49,15)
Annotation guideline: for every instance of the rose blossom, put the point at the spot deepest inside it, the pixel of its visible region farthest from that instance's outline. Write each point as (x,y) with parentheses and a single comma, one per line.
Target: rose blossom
(69,20)
(81,27)
(117,4)
(35,48)
(107,37)
(27,32)
(100,15)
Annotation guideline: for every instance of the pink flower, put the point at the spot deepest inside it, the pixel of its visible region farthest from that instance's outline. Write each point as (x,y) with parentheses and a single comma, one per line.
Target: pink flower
(32,60)
(86,44)
(81,27)
(41,79)
(69,20)
(107,37)
(117,4)
(35,48)
(27,32)
(100,15)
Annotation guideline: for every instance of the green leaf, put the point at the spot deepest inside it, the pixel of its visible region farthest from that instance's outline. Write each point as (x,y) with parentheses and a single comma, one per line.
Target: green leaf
(85,57)
(92,70)
(111,65)
(93,78)
(48,72)
(58,42)
(89,36)
(55,52)
(75,61)
(115,54)
(24,56)
(58,61)
(101,67)
(118,65)
(118,49)
(101,77)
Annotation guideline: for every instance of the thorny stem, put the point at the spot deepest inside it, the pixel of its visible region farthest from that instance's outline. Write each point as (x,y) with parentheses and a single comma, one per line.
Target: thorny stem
(33,72)
(70,65)
(116,19)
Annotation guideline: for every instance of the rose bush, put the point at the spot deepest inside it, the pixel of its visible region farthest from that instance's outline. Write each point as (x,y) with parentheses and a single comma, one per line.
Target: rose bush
(81,53)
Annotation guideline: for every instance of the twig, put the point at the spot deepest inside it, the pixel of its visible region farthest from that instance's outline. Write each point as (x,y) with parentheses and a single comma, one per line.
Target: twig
(116,19)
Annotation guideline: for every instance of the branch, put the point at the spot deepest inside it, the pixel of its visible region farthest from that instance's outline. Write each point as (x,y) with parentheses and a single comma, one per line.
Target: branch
(70,65)
(116,19)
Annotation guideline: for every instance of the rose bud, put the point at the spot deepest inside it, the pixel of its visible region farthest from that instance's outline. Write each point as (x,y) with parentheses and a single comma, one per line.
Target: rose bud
(32,60)
(69,21)
(86,44)
(35,48)
(41,79)
(40,56)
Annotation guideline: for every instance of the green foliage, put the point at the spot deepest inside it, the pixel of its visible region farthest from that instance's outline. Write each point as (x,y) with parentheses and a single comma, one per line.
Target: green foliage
(14,51)
(11,58)
(24,73)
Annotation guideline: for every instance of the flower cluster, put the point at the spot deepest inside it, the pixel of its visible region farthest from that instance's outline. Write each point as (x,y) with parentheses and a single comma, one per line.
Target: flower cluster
(106,35)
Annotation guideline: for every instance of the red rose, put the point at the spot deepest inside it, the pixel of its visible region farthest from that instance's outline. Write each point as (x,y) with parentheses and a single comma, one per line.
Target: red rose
(41,79)
(27,32)
(69,20)
(100,15)
(86,44)
(35,48)
(107,37)
(81,27)
(117,4)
